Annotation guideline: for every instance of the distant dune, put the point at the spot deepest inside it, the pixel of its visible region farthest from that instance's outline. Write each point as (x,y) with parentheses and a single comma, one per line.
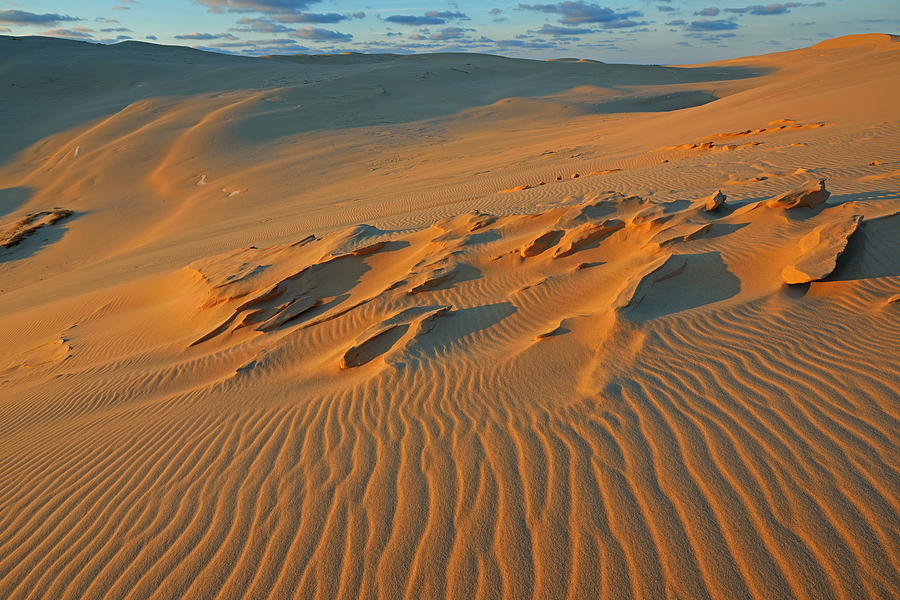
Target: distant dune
(449,325)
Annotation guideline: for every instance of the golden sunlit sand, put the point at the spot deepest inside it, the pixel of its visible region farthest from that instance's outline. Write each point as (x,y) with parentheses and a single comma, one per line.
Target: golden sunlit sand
(448,326)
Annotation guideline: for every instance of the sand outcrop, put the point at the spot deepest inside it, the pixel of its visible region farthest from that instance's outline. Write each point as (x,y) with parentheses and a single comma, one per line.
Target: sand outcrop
(808,196)
(819,251)
(712,202)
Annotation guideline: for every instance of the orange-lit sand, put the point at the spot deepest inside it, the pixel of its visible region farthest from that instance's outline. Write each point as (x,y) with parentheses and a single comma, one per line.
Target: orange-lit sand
(448,326)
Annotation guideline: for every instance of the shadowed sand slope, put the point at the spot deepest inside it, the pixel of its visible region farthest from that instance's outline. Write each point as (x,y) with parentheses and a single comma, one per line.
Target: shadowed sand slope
(562,336)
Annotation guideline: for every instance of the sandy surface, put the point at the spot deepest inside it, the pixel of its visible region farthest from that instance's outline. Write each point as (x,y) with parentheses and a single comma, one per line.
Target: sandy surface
(448,326)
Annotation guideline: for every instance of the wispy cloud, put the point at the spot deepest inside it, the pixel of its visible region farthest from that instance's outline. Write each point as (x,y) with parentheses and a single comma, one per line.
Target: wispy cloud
(579,13)
(556,31)
(770,9)
(305,17)
(321,35)
(206,36)
(260,26)
(433,17)
(260,6)
(76,33)
(712,25)
(21,17)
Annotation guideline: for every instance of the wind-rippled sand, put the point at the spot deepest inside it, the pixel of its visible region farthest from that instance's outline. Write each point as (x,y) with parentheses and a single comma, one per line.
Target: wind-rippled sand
(448,326)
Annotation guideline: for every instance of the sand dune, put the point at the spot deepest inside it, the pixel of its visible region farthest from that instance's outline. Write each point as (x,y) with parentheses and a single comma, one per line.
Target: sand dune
(451,325)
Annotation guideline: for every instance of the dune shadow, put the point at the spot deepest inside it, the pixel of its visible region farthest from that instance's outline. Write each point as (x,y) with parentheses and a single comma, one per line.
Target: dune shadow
(721,229)
(871,252)
(864,197)
(459,327)
(330,288)
(704,280)
(804,213)
(12,198)
(334,280)
(394,245)
(655,103)
(375,346)
(370,99)
(310,93)
(590,264)
(481,237)
(31,245)
(40,238)
(462,272)
(795,291)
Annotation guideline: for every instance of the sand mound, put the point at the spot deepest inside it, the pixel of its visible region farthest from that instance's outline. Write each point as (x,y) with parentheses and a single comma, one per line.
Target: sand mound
(867,39)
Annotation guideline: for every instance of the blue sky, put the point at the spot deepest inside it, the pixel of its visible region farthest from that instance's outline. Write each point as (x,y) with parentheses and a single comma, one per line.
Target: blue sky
(640,31)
